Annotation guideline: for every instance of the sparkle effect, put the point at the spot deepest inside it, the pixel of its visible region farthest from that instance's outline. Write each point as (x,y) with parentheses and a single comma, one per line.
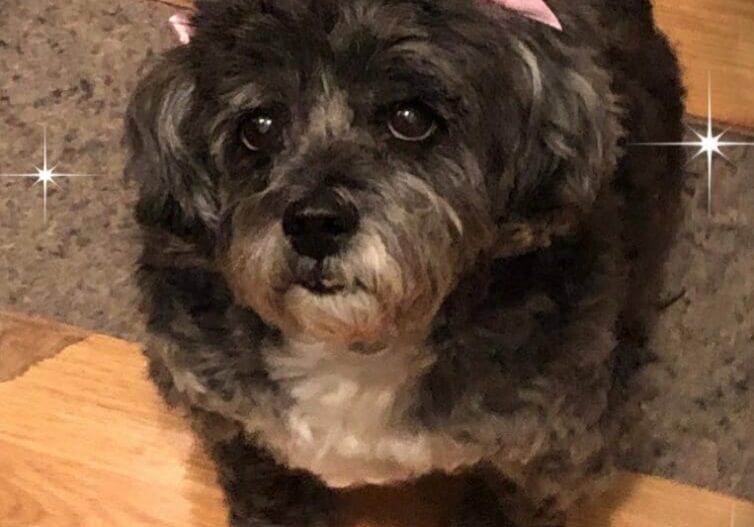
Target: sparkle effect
(709,144)
(46,176)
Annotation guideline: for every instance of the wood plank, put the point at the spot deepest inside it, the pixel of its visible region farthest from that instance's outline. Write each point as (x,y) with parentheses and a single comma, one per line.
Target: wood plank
(86,441)
(645,501)
(26,340)
(714,39)
(181,4)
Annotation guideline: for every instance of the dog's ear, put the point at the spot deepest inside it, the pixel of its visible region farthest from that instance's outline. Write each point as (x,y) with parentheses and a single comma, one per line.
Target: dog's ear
(566,149)
(167,151)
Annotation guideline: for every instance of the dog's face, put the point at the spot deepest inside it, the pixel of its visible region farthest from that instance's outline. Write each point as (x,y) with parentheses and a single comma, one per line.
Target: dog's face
(350,162)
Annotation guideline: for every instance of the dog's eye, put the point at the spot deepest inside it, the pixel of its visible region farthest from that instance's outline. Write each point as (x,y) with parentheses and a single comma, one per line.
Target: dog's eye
(412,123)
(261,131)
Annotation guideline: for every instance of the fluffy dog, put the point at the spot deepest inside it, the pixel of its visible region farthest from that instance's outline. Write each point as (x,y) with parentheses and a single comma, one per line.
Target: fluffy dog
(389,238)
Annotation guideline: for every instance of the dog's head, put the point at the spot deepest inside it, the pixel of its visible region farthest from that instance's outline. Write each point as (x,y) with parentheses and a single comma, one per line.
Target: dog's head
(346,164)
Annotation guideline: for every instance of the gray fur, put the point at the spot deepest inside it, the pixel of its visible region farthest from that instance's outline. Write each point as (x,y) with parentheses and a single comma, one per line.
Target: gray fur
(501,275)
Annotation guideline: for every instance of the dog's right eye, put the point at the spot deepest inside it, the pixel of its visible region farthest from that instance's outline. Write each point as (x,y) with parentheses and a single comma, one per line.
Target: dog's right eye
(412,122)
(262,131)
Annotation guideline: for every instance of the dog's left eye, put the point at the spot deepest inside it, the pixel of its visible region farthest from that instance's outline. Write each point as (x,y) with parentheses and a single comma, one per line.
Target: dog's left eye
(412,122)
(262,131)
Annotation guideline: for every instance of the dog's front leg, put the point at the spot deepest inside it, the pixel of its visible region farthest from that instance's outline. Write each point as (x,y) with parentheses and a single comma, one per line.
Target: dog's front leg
(482,504)
(491,499)
(263,493)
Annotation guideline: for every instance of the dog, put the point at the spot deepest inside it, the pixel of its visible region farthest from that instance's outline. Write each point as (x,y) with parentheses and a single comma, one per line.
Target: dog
(384,239)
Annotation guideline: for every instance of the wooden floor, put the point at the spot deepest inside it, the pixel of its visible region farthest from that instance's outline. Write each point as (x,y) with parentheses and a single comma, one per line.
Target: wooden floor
(85,442)
(715,41)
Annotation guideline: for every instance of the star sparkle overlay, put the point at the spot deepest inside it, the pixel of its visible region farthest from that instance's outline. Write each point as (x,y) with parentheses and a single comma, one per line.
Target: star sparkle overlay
(709,144)
(45,175)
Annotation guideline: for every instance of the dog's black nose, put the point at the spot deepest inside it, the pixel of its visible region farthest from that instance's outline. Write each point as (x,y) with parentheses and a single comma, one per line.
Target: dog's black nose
(319,224)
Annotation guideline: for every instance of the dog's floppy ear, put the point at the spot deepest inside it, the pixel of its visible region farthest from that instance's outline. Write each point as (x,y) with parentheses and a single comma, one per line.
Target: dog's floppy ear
(166,148)
(568,146)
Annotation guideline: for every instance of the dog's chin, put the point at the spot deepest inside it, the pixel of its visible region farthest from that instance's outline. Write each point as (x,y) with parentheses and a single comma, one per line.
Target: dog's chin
(333,312)
(359,300)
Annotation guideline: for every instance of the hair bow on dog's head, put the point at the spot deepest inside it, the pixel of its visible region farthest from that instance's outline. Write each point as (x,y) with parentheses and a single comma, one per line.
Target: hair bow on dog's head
(182,27)
(535,9)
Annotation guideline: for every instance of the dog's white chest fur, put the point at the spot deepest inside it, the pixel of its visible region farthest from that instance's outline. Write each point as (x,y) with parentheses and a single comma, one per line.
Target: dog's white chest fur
(343,425)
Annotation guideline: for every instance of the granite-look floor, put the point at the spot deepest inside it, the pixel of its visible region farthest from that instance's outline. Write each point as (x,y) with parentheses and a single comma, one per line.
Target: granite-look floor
(70,65)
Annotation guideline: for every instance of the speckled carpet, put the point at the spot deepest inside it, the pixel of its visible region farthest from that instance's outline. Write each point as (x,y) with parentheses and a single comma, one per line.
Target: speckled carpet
(70,66)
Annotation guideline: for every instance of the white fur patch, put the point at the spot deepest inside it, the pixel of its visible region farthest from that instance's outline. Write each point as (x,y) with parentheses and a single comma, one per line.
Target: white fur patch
(344,423)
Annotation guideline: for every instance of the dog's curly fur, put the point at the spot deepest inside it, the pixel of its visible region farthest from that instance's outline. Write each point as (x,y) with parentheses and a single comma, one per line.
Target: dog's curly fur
(502,277)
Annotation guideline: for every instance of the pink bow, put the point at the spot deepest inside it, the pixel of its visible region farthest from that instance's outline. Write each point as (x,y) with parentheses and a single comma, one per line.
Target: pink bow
(182,27)
(535,9)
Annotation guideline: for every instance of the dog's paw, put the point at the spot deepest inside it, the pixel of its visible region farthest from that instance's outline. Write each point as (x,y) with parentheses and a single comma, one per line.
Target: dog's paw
(313,521)
(256,522)
(481,518)
(543,518)
(481,508)
(484,507)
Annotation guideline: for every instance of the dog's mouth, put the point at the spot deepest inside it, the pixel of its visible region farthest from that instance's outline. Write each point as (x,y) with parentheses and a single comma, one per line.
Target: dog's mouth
(313,277)
(322,286)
